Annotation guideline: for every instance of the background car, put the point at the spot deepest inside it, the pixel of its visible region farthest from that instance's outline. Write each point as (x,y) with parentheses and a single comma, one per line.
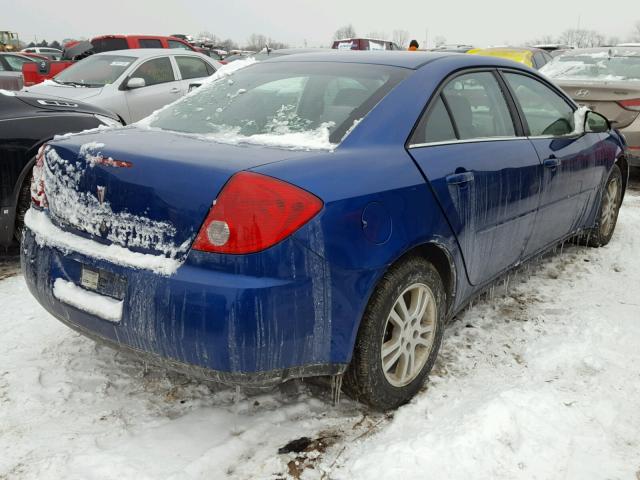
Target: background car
(130,83)
(272,225)
(531,57)
(27,122)
(13,62)
(266,55)
(108,43)
(48,52)
(607,80)
(364,44)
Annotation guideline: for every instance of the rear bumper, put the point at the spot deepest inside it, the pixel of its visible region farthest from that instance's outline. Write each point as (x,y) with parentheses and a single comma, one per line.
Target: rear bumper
(219,325)
(632,137)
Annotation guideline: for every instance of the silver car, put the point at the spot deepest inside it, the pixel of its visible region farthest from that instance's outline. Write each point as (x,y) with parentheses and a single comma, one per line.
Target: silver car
(607,80)
(130,83)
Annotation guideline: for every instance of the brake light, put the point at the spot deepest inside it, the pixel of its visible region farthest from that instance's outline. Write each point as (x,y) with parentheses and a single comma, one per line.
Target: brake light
(38,195)
(631,104)
(254,212)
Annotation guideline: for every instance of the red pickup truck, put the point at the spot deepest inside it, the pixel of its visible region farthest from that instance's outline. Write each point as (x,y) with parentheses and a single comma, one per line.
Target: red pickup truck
(34,73)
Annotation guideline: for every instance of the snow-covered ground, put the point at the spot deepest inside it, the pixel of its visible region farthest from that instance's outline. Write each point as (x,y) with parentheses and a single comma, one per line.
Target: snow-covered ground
(542,381)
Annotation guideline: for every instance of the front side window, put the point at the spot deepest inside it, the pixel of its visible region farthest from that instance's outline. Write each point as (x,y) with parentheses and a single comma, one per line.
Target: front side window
(95,71)
(545,112)
(156,71)
(282,101)
(478,107)
(191,67)
(15,62)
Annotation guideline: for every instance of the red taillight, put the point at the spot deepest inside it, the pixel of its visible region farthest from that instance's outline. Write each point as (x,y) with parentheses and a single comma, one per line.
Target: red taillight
(38,195)
(254,212)
(631,104)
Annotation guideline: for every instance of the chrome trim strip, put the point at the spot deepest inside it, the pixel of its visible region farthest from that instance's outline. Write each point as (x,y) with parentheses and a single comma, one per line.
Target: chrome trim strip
(470,140)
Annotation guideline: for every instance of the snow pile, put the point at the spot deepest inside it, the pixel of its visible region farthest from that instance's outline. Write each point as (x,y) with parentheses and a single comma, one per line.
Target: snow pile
(46,233)
(222,73)
(83,210)
(8,93)
(598,66)
(579,117)
(90,302)
(285,130)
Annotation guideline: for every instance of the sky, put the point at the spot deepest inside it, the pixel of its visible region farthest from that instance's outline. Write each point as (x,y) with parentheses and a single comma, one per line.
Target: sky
(313,22)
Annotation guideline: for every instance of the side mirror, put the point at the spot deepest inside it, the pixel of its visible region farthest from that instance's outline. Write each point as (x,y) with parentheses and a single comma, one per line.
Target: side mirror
(596,123)
(136,82)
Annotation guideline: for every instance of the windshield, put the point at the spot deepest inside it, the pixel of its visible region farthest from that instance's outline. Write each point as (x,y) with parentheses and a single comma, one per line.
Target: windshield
(282,104)
(593,66)
(95,71)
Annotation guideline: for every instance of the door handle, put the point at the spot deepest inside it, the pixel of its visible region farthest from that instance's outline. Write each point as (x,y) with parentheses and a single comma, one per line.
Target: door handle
(460,178)
(552,162)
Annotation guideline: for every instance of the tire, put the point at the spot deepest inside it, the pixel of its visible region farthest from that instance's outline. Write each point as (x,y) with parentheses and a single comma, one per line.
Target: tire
(24,202)
(367,379)
(607,218)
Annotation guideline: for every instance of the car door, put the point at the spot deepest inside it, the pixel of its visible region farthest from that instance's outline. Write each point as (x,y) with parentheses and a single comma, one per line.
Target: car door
(161,87)
(193,70)
(570,176)
(484,172)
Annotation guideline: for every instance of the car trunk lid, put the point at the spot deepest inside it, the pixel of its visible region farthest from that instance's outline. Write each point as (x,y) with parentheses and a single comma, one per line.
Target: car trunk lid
(147,191)
(604,98)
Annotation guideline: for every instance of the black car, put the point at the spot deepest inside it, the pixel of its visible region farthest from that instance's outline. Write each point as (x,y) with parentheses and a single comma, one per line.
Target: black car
(27,121)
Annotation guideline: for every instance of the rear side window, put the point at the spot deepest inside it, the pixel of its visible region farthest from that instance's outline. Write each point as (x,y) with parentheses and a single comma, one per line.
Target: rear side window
(191,67)
(436,126)
(155,71)
(478,107)
(109,44)
(546,112)
(149,43)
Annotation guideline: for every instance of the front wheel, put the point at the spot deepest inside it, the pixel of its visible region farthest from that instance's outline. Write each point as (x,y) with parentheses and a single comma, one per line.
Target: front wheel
(399,336)
(610,202)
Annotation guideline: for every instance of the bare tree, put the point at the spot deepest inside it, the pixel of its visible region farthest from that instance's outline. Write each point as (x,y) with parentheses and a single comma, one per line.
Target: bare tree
(378,35)
(543,40)
(635,35)
(400,38)
(580,38)
(440,40)
(256,42)
(345,32)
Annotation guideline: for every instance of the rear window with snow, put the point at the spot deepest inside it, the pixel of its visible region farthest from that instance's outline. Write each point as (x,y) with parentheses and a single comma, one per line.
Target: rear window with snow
(603,66)
(272,103)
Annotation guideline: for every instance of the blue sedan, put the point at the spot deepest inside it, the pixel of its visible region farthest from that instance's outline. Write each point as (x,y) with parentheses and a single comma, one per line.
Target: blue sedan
(316,214)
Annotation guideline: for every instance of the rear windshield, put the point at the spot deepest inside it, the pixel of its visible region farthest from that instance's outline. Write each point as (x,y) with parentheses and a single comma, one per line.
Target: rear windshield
(274,102)
(109,44)
(95,71)
(593,66)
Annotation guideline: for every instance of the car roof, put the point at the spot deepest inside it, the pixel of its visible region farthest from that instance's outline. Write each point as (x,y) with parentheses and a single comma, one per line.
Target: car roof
(403,59)
(149,52)
(618,51)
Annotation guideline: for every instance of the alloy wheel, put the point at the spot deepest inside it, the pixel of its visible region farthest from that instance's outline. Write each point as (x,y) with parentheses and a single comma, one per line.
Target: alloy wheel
(409,335)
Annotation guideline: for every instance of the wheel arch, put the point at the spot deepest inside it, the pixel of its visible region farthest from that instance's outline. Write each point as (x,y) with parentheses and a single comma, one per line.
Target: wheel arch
(623,164)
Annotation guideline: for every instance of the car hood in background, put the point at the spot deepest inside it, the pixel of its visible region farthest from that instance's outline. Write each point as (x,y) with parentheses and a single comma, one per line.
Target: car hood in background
(64,91)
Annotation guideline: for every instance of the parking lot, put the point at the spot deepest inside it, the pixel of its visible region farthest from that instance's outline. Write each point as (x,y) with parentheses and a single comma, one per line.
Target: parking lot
(536,382)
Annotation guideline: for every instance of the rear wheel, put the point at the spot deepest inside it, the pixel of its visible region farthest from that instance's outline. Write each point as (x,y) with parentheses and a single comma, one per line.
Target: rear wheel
(399,336)
(601,234)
